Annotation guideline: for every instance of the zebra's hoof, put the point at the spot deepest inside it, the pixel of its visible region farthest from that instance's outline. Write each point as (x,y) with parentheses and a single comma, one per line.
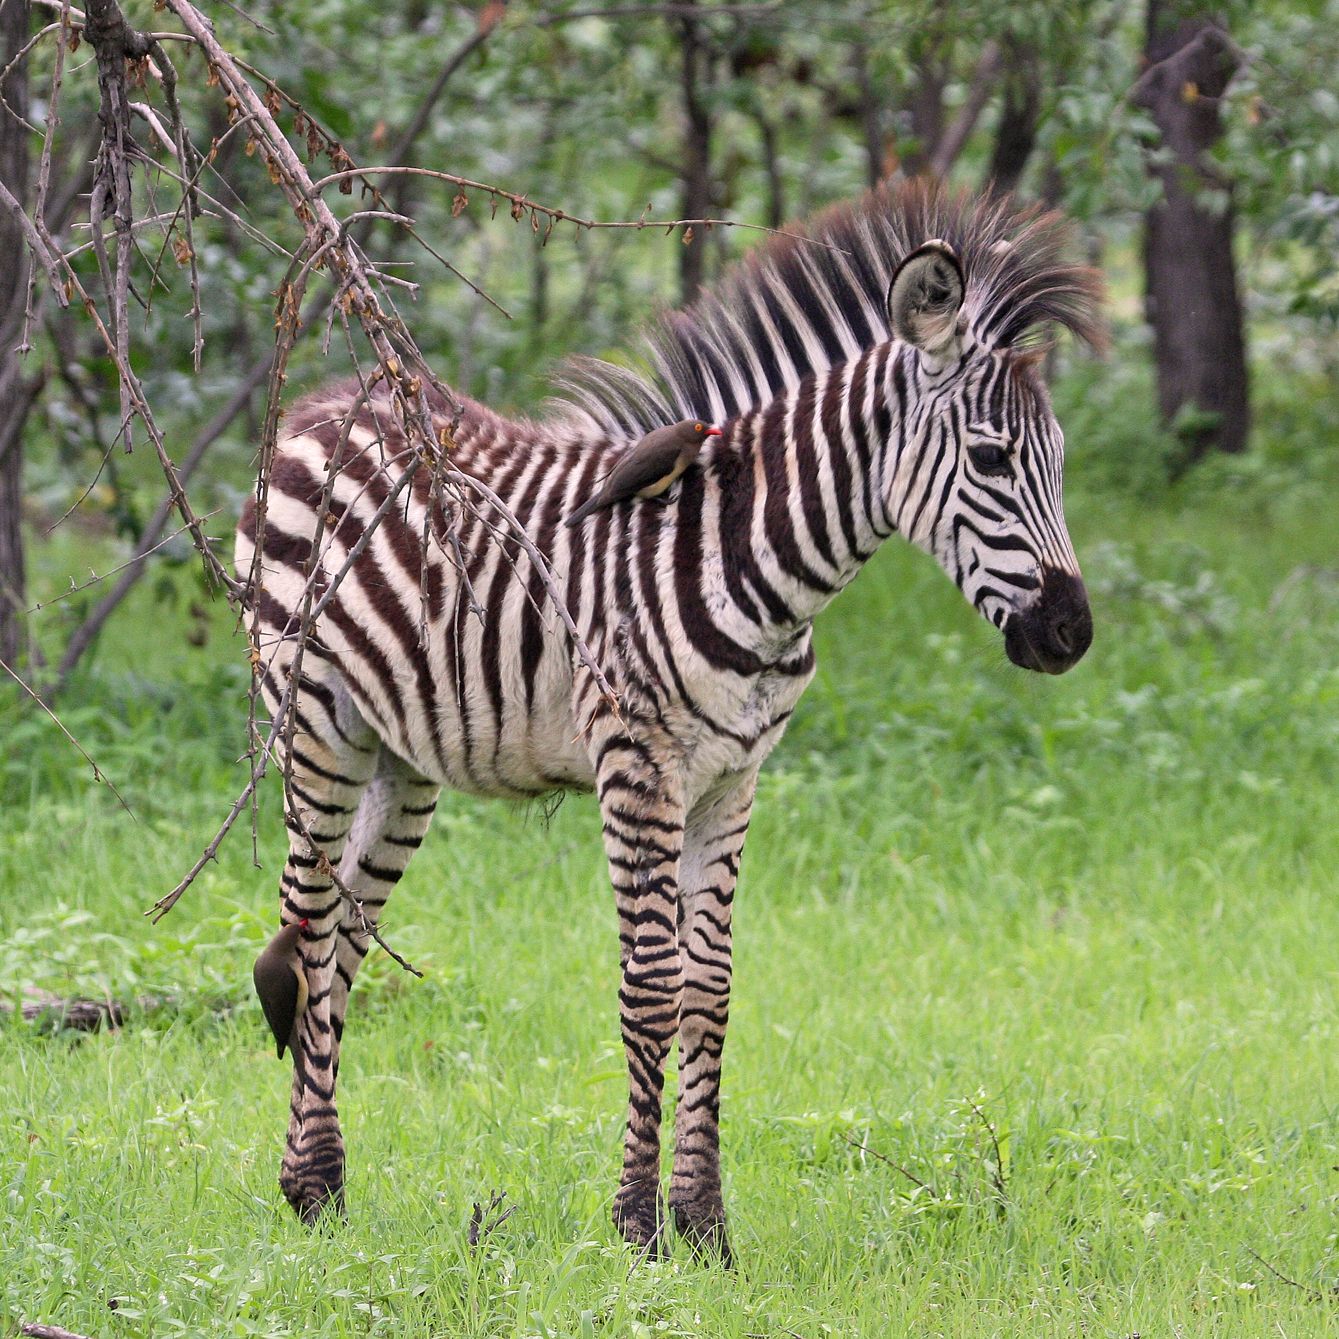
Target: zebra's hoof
(640,1220)
(703,1228)
(313,1200)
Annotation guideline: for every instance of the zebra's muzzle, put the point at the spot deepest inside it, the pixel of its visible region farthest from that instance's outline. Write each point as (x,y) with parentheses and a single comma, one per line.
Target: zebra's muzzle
(1052,634)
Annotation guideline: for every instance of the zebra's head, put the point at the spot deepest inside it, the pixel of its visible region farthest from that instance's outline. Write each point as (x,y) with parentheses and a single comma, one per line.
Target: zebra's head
(978,476)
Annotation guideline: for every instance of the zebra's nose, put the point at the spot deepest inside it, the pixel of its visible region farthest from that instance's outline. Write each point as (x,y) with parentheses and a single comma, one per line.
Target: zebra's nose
(1053,634)
(1063,637)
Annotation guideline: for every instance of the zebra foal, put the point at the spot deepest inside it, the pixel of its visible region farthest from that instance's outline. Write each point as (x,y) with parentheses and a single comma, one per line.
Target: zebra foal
(875,379)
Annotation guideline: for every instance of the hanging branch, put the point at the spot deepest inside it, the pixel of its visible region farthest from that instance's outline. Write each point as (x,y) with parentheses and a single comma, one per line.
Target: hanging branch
(353,290)
(522,206)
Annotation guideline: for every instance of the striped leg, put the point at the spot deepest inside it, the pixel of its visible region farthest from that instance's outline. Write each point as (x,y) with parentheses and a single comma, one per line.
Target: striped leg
(643,834)
(713,840)
(333,756)
(391,821)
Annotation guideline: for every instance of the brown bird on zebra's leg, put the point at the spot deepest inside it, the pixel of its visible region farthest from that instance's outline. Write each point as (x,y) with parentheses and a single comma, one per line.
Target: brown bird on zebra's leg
(281,982)
(650,467)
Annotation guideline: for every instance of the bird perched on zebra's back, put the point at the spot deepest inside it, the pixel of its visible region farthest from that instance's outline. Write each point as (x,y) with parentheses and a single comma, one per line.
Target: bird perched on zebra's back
(650,467)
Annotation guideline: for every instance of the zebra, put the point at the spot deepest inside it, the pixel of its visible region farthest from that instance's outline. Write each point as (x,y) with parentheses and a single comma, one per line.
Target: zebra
(873,372)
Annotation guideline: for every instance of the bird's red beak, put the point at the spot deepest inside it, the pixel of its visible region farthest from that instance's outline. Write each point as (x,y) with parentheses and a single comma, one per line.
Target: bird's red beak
(713,432)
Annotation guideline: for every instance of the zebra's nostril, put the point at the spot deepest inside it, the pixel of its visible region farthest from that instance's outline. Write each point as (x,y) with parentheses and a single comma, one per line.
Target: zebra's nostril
(1064,637)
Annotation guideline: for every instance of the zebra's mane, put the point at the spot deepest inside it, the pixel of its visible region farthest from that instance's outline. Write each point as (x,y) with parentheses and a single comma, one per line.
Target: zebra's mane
(817,297)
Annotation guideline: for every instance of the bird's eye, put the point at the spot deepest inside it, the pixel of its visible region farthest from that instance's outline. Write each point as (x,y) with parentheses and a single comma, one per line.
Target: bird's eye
(989,458)
(697,427)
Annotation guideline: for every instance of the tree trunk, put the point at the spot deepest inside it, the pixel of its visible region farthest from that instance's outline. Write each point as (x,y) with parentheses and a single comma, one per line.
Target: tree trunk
(954,137)
(926,105)
(1191,297)
(16,396)
(695,198)
(871,114)
(1016,132)
(776,187)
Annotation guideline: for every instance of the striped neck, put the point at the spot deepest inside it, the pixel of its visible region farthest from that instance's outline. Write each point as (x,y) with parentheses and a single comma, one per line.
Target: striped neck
(803,501)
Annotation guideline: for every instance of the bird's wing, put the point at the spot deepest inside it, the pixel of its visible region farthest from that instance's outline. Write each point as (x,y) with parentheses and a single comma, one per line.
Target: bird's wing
(651,459)
(277,985)
(648,460)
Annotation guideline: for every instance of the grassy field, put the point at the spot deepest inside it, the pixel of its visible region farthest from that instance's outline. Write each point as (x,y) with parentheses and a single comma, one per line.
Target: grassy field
(1035,1027)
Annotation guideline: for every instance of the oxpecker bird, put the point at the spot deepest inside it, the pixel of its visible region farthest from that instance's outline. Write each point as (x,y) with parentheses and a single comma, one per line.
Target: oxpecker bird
(281,983)
(650,467)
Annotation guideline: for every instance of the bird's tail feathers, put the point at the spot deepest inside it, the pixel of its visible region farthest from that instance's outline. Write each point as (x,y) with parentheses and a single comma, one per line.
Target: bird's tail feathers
(589,505)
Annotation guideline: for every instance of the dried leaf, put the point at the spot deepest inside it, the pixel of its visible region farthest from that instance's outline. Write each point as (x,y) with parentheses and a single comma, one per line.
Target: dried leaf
(181,249)
(458,204)
(687,236)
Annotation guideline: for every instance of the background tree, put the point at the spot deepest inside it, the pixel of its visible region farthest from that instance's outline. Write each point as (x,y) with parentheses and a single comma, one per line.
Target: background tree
(1191,282)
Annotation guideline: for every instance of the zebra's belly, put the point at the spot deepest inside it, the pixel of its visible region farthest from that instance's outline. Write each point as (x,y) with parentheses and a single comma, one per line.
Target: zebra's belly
(511,745)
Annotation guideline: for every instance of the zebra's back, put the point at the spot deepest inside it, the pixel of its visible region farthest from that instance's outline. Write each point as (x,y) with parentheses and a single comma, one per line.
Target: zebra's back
(454,657)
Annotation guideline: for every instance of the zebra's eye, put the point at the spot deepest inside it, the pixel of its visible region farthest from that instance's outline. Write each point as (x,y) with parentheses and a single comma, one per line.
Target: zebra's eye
(989,458)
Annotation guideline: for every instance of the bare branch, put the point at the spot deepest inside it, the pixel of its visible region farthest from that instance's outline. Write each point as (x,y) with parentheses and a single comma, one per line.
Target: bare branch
(42,250)
(951,143)
(47,1332)
(522,206)
(96,578)
(896,1166)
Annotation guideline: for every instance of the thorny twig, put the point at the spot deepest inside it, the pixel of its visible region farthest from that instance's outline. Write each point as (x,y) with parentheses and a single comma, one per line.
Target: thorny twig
(1314,1294)
(522,206)
(96,578)
(996,1176)
(887,1161)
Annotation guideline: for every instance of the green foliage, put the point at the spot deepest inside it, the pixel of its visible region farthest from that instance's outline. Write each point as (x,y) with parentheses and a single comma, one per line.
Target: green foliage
(1034,1028)
(585,113)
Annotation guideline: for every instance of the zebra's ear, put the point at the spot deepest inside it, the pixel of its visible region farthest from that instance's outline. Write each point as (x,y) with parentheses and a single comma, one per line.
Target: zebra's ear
(925,298)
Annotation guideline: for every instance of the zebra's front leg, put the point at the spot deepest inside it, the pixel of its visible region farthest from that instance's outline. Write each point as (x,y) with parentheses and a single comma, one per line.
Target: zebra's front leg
(713,841)
(643,817)
(328,776)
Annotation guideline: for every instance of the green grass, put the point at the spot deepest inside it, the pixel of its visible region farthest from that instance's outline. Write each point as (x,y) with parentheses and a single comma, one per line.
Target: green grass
(1097,914)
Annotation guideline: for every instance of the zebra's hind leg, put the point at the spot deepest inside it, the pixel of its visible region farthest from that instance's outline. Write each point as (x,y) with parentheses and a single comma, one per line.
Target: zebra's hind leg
(642,810)
(333,755)
(713,841)
(389,826)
